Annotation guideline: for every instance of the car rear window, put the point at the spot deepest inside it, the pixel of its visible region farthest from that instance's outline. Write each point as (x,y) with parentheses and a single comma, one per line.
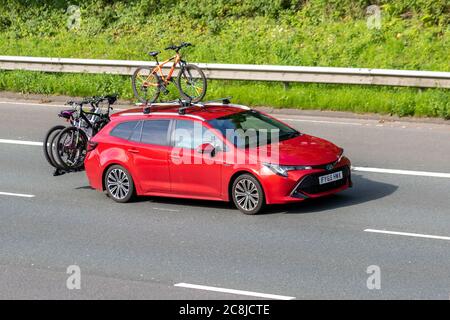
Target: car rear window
(124,129)
(155,132)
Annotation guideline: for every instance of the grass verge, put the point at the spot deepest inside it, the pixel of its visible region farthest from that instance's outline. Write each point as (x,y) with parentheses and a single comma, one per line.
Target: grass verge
(354,98)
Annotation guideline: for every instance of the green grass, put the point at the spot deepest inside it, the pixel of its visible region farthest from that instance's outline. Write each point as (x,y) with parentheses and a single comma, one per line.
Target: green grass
(415,34)
(359,99)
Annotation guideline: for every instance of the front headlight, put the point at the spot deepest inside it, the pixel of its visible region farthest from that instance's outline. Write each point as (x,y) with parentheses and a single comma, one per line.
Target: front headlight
(340,156)
(283,170)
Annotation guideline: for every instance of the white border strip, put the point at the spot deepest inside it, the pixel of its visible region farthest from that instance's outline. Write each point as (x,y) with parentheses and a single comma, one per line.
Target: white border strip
(408,234)
(46,105)
(21,142)
(404,172)
(233,291)
(17,195)
(322,121)
(31,104)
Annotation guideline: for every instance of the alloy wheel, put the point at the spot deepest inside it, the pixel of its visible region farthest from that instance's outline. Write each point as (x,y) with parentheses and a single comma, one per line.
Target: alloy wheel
(246,195)
(118,183)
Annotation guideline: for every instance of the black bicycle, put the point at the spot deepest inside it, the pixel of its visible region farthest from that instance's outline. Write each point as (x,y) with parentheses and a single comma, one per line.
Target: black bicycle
(65,147)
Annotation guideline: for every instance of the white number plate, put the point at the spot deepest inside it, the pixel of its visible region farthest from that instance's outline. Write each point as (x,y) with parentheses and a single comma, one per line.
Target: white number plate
(330,177)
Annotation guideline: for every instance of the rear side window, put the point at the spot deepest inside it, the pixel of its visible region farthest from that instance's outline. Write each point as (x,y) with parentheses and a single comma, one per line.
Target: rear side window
(155,132)
(136,135)
(124,129)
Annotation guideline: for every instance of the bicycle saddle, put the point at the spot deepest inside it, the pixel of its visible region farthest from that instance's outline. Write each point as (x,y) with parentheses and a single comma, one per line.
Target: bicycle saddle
(66,114)
(153,53)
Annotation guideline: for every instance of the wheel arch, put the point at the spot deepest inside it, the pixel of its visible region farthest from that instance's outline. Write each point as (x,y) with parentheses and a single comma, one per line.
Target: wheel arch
(239,173)
(116,163)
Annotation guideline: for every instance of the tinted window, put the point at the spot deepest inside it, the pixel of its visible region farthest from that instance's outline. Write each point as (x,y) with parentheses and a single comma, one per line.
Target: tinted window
(123,130)
(136,135)
(252,127)
(191,134)
(155,132)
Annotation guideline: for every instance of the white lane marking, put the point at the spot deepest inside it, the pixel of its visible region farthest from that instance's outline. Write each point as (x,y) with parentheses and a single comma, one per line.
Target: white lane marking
(404,172)
(45,104)
(21,142)
(323,121)
(31,104)
(17,195)
(164,209)
(233,291)
(408,234)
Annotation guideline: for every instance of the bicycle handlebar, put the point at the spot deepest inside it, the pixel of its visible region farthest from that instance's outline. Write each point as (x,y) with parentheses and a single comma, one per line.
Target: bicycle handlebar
(111,99)
(177,48)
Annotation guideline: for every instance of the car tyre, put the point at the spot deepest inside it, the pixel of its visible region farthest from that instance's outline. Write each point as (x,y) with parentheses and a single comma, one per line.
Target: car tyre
(248,195)
(119,184)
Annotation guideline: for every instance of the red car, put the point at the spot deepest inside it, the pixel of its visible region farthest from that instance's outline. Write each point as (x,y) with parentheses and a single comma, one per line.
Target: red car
(213,151)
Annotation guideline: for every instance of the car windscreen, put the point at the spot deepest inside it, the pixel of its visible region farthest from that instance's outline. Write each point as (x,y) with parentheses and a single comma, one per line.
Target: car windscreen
(252,128)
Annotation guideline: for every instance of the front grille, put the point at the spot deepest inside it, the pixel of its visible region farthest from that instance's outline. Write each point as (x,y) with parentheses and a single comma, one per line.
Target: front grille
(310,183)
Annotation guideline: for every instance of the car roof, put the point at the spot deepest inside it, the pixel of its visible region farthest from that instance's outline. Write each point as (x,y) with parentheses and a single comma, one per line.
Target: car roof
(202,112)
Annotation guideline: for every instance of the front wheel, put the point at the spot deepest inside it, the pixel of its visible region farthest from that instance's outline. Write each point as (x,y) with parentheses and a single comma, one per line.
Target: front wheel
(145,85)
(69,148)
(247,194)
(191,82)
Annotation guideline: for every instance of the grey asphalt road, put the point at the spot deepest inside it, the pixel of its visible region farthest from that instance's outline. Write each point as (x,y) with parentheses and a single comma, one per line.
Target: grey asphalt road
(317,249)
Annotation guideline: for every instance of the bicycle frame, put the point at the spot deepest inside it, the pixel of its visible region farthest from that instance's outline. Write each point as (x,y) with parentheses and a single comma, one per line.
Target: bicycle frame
(158,69)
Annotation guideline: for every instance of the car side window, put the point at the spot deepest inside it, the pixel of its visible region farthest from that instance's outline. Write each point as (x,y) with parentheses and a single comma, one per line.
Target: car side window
(124,129)
(155,132)
(136,135)
(191,134)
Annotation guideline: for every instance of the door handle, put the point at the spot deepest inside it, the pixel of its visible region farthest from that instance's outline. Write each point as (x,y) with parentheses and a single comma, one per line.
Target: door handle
(133,150)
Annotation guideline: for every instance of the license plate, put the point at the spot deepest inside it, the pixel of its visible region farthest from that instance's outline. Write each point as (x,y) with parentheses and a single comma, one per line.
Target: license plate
(330,177)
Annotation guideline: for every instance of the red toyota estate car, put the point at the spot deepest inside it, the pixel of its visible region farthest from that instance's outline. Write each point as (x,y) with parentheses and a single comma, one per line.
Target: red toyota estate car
(206,152)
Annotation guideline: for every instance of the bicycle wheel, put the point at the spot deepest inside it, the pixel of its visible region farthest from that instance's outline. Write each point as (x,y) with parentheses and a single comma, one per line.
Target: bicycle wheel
(192,83)
(145,85)
(69,148)
(47,145)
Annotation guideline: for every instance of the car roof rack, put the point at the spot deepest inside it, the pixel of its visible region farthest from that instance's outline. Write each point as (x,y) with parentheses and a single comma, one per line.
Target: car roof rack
(184,104)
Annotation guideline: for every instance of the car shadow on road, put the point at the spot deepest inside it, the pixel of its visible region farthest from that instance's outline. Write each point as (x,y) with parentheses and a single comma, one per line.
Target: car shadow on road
(185,202)
(364,190)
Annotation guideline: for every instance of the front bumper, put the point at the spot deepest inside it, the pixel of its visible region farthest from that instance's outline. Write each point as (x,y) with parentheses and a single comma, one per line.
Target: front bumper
(309,186)
(304,184)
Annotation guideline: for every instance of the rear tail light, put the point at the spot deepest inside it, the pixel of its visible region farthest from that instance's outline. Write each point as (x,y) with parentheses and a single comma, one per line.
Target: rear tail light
(91,146)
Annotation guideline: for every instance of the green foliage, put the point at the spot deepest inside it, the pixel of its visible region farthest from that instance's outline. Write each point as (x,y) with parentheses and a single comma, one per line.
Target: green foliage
(414,34)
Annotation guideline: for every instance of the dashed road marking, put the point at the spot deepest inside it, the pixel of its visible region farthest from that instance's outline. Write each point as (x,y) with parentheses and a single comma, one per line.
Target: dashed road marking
(21,195)
(233,291)
(408,234)
(165,209)
(21,142)
(404,172)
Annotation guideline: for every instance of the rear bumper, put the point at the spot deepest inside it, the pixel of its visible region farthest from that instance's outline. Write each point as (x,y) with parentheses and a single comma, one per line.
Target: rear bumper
(93,170)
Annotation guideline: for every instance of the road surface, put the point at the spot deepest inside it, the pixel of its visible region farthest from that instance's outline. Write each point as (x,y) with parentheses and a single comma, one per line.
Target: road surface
(160,248)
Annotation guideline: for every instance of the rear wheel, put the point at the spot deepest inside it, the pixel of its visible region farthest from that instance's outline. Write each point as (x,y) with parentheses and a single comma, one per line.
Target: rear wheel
(119,184)
(47,146)
(191,82)
(145,85)
(69,148)
(247,194)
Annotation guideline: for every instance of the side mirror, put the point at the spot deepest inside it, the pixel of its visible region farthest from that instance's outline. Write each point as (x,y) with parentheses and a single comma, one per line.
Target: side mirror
(206,148)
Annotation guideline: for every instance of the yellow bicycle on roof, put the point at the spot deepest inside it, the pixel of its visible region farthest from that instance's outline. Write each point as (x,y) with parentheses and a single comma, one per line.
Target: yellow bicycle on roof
(148,83)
